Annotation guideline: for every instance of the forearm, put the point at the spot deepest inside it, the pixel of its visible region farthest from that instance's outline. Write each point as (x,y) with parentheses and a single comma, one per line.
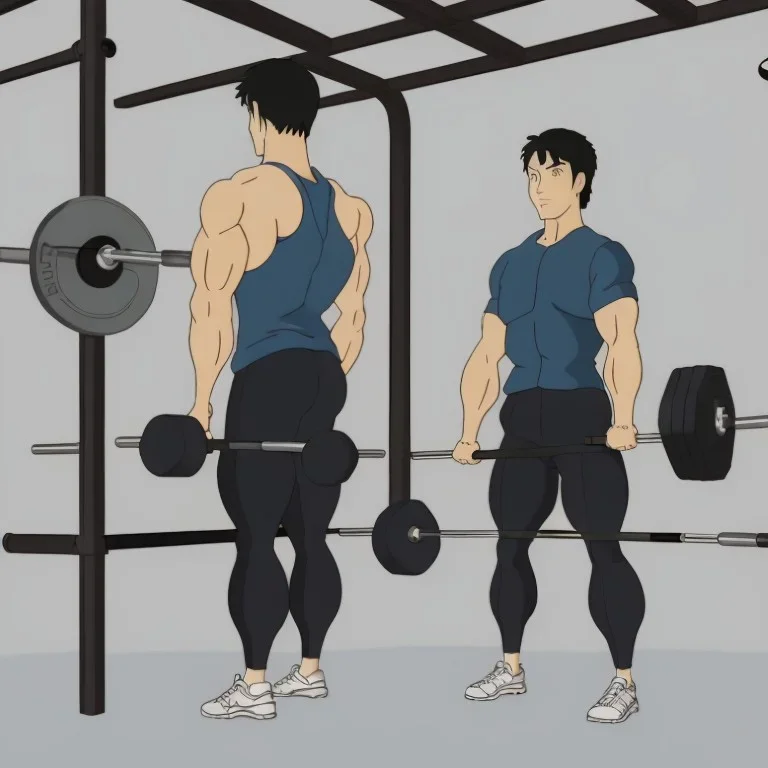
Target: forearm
(623,374)
(347,335)
(211,341)
(479,391)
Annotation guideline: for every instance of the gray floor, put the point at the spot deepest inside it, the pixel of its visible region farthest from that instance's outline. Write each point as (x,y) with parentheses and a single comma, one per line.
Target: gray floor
(387,708)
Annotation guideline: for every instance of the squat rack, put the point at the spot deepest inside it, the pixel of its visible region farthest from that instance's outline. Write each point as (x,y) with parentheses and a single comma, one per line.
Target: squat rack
(457,21)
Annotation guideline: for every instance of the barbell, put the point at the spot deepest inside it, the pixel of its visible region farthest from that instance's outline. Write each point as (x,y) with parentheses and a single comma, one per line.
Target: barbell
(697,425)
(173,445)
(93,265)
(176,446)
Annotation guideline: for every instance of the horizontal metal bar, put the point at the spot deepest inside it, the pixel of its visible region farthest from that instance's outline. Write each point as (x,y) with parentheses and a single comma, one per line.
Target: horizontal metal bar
(14,255)
(55,449)
(727,539)
(750,422)
(353,41)
(70,55)
(588,41)
(267,447)
(40,544)
(6,6)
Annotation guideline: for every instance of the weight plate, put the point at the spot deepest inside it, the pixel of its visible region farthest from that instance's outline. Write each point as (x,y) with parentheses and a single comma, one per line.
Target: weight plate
(67,278)
(392,546)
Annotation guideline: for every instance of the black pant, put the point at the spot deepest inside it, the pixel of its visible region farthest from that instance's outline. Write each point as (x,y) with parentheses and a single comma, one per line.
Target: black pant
(595,494)
(288,396)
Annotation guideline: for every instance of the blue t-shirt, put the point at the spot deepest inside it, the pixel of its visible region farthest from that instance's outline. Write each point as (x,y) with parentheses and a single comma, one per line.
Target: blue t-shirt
(547,297)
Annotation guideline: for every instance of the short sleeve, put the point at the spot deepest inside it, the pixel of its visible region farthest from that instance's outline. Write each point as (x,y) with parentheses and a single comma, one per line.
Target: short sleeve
(611,276)
(494,282)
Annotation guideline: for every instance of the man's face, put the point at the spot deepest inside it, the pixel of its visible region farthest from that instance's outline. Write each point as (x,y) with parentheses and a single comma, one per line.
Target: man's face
(258,130)
(552,188)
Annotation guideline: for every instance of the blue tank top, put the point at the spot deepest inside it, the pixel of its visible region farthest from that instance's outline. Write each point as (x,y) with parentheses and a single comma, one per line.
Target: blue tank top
(548,296)
(280,304)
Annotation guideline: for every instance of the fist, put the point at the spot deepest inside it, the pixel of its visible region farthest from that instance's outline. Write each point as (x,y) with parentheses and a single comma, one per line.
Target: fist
(463,452)
(621,437)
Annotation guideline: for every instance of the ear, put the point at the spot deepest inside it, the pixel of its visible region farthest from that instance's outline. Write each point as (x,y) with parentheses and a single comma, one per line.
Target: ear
(579,183)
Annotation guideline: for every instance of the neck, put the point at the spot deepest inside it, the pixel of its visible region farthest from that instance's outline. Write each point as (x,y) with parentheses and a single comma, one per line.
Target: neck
(289,150)
(557,229)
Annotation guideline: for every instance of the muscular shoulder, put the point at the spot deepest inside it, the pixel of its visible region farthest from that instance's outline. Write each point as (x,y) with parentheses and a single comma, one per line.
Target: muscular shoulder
(353,212)
(611,256)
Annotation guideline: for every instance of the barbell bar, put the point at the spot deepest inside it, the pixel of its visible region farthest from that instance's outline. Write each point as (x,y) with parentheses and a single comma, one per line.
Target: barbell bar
(107,256)
(697,427)
(61,449)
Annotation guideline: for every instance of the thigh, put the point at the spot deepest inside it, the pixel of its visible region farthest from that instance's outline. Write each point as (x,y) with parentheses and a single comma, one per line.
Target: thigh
(522,493)
(595,491)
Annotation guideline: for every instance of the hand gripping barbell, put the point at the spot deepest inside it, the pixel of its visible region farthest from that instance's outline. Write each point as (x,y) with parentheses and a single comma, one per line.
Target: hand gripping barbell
(697,427)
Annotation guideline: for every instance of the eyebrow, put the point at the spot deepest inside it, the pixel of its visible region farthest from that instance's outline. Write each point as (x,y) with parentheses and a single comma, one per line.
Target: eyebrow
(553,165)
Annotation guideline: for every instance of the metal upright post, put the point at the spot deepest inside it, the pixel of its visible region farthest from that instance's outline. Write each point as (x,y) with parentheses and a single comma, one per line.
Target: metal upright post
(93,25)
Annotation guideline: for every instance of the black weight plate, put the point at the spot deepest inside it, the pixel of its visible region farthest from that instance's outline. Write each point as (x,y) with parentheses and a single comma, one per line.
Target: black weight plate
(379,540)
(713,449)
(671,422)
(665,414)
(392,546)
(692,412)
(173,446)
(68,279)
(330,458)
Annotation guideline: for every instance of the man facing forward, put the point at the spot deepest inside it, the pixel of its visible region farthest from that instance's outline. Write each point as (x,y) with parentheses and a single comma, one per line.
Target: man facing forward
(555,300)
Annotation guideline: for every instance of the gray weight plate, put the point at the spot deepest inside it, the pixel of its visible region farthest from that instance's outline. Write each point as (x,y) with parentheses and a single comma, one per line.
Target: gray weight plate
(69,282)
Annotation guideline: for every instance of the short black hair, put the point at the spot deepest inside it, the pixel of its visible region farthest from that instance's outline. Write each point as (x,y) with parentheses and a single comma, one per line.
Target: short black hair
(568,146)
(286,94)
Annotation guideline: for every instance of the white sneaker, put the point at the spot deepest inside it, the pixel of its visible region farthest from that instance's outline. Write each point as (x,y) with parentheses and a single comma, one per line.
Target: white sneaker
(295,684)
(499,682)
(241,700)
(617,703)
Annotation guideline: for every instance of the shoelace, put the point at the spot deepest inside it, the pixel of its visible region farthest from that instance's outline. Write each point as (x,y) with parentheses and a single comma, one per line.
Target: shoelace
(224,698)
(290,676)
(610,696)
(497,671)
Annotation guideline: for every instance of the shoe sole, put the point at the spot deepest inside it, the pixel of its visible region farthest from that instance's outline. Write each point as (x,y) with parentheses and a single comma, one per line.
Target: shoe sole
(622,719)
(317,693)
(499,694)
(240,713)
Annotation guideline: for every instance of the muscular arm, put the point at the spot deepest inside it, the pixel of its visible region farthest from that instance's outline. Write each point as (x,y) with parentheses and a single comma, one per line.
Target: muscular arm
(347,332)
(480,383)
(220,255)
(623,372)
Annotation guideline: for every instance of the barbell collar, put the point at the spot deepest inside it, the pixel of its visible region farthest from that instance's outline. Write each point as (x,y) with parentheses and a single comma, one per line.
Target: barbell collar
(109,257)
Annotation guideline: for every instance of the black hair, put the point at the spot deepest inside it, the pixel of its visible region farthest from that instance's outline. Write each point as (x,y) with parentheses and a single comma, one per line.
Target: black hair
(286,94)
(567,146)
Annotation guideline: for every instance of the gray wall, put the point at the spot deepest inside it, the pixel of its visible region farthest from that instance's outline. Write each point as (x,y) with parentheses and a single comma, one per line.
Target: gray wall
(679,125)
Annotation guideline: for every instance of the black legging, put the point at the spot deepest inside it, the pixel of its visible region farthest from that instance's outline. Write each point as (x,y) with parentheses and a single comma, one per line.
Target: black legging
(595,495)
(287,396)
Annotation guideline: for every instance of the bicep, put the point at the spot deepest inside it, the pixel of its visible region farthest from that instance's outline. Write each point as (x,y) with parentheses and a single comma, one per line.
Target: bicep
(494,334)
(618,321)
